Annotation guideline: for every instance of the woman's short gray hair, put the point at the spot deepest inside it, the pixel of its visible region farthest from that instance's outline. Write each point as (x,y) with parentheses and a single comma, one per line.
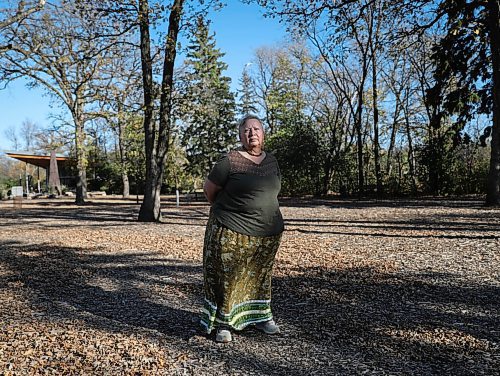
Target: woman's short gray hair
(245,118)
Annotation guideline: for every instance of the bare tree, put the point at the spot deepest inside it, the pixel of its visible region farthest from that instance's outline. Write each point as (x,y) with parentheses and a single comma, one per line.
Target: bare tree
(267,82)
(157,140)
(15,15)
(120,102)
(11,135)
(57,50)
(29,132)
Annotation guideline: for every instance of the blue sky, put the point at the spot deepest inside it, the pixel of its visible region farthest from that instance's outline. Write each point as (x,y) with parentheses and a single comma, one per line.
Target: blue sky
(239,30)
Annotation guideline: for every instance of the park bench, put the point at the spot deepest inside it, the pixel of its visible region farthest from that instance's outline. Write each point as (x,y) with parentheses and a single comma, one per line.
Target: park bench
(96,194)
(195,195)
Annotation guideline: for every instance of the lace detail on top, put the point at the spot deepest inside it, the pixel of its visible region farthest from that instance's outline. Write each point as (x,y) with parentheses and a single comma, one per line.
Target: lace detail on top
(241,165)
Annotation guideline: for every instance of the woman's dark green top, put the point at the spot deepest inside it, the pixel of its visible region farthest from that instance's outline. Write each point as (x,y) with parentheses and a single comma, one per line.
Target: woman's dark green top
(248,201)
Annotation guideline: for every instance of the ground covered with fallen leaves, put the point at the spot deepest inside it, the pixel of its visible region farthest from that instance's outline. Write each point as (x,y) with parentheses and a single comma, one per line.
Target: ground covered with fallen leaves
(396,287)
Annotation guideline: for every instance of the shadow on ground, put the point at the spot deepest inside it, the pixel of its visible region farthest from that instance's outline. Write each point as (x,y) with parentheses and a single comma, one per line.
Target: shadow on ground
(335,321)
(355,203)
(98,213)
(476,224)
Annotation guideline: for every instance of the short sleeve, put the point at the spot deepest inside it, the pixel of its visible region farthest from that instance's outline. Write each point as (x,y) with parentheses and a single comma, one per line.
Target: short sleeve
(220,171)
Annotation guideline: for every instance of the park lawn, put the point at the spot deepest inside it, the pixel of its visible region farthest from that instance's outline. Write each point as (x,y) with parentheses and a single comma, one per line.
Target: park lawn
(377,287)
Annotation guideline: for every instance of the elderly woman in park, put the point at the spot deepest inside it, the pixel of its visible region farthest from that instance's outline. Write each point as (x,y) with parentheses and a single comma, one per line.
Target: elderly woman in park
(242,236)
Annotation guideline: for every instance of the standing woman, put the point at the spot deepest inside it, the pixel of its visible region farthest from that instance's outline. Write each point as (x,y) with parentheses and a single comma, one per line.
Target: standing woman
(242,236)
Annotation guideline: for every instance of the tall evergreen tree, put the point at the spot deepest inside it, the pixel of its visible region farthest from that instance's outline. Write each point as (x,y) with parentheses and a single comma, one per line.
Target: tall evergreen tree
(468,60)
(247,102)
(207,103)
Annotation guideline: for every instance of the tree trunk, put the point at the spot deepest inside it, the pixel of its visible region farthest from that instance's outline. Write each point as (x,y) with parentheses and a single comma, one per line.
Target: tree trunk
(411,154)
(327,171)
(359,143)
(392,143)
(156,152)
(81,161)
(126,185)
(376,146)
(150,210)
(433,164)
(123,160)
(493,188)
(150,207)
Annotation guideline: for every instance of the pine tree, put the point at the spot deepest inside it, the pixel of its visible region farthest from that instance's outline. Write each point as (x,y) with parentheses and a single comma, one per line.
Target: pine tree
(247,101)
(468,61)
(207,105)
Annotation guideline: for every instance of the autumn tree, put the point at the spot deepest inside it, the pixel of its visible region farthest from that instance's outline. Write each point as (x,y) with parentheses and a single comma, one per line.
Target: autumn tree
(466,63)
(57,49)
(274,86)
(120,105)
(157,69)
(157,134)
(12,15)
(12,136)
(334,34)
(307,132)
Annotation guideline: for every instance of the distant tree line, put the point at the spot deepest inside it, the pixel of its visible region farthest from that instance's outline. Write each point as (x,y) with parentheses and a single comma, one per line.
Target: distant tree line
(372,97)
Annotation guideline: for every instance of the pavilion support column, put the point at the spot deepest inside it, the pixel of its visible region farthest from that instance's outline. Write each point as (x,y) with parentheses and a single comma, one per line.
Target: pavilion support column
(26,178)
(47,174)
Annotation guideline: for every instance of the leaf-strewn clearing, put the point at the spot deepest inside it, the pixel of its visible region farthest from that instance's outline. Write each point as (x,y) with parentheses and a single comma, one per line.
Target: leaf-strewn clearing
(385,287)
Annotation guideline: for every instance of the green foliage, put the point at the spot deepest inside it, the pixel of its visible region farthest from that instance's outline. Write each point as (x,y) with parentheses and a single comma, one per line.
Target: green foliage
(469,169)
(103,175)
(434,160)
(207,106)
(449,169)
(345,180)
(247,101)
(462,64)
(177,175)
(9,174)
(6,183)
(297,148)
(134,160)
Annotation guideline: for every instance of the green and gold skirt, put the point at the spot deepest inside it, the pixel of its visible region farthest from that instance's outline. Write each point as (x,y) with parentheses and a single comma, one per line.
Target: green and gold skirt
(237,272)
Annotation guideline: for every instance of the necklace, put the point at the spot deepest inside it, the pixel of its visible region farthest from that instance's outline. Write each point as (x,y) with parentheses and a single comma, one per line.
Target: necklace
(254,155)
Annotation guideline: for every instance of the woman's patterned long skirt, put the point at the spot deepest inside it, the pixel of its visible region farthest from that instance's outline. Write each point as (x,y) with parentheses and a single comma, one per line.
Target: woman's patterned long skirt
(237,272)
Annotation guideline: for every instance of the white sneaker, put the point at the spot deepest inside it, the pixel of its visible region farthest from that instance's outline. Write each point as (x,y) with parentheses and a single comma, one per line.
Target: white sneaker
(224,336)
(268,327)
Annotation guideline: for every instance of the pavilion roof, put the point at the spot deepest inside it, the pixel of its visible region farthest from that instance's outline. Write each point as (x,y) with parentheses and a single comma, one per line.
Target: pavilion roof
(35,159)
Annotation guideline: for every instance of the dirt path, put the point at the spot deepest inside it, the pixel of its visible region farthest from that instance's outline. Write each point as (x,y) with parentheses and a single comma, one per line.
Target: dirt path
(408,287)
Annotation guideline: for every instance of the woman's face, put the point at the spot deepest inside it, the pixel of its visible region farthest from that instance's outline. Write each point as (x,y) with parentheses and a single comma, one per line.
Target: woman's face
(252,134)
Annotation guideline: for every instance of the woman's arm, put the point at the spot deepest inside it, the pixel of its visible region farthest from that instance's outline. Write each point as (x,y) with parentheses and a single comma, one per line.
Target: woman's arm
(211,190)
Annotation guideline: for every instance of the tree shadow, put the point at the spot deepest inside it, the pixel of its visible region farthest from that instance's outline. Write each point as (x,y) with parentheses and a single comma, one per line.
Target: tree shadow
(354,203)
(56,212)
(119,292)
(439,223)
(334,321)
(483,225)
(113,214)
(137,289)
(423,323)
(389,235)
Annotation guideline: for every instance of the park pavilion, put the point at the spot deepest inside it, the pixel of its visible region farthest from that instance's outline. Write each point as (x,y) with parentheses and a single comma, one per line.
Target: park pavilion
(42,160)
